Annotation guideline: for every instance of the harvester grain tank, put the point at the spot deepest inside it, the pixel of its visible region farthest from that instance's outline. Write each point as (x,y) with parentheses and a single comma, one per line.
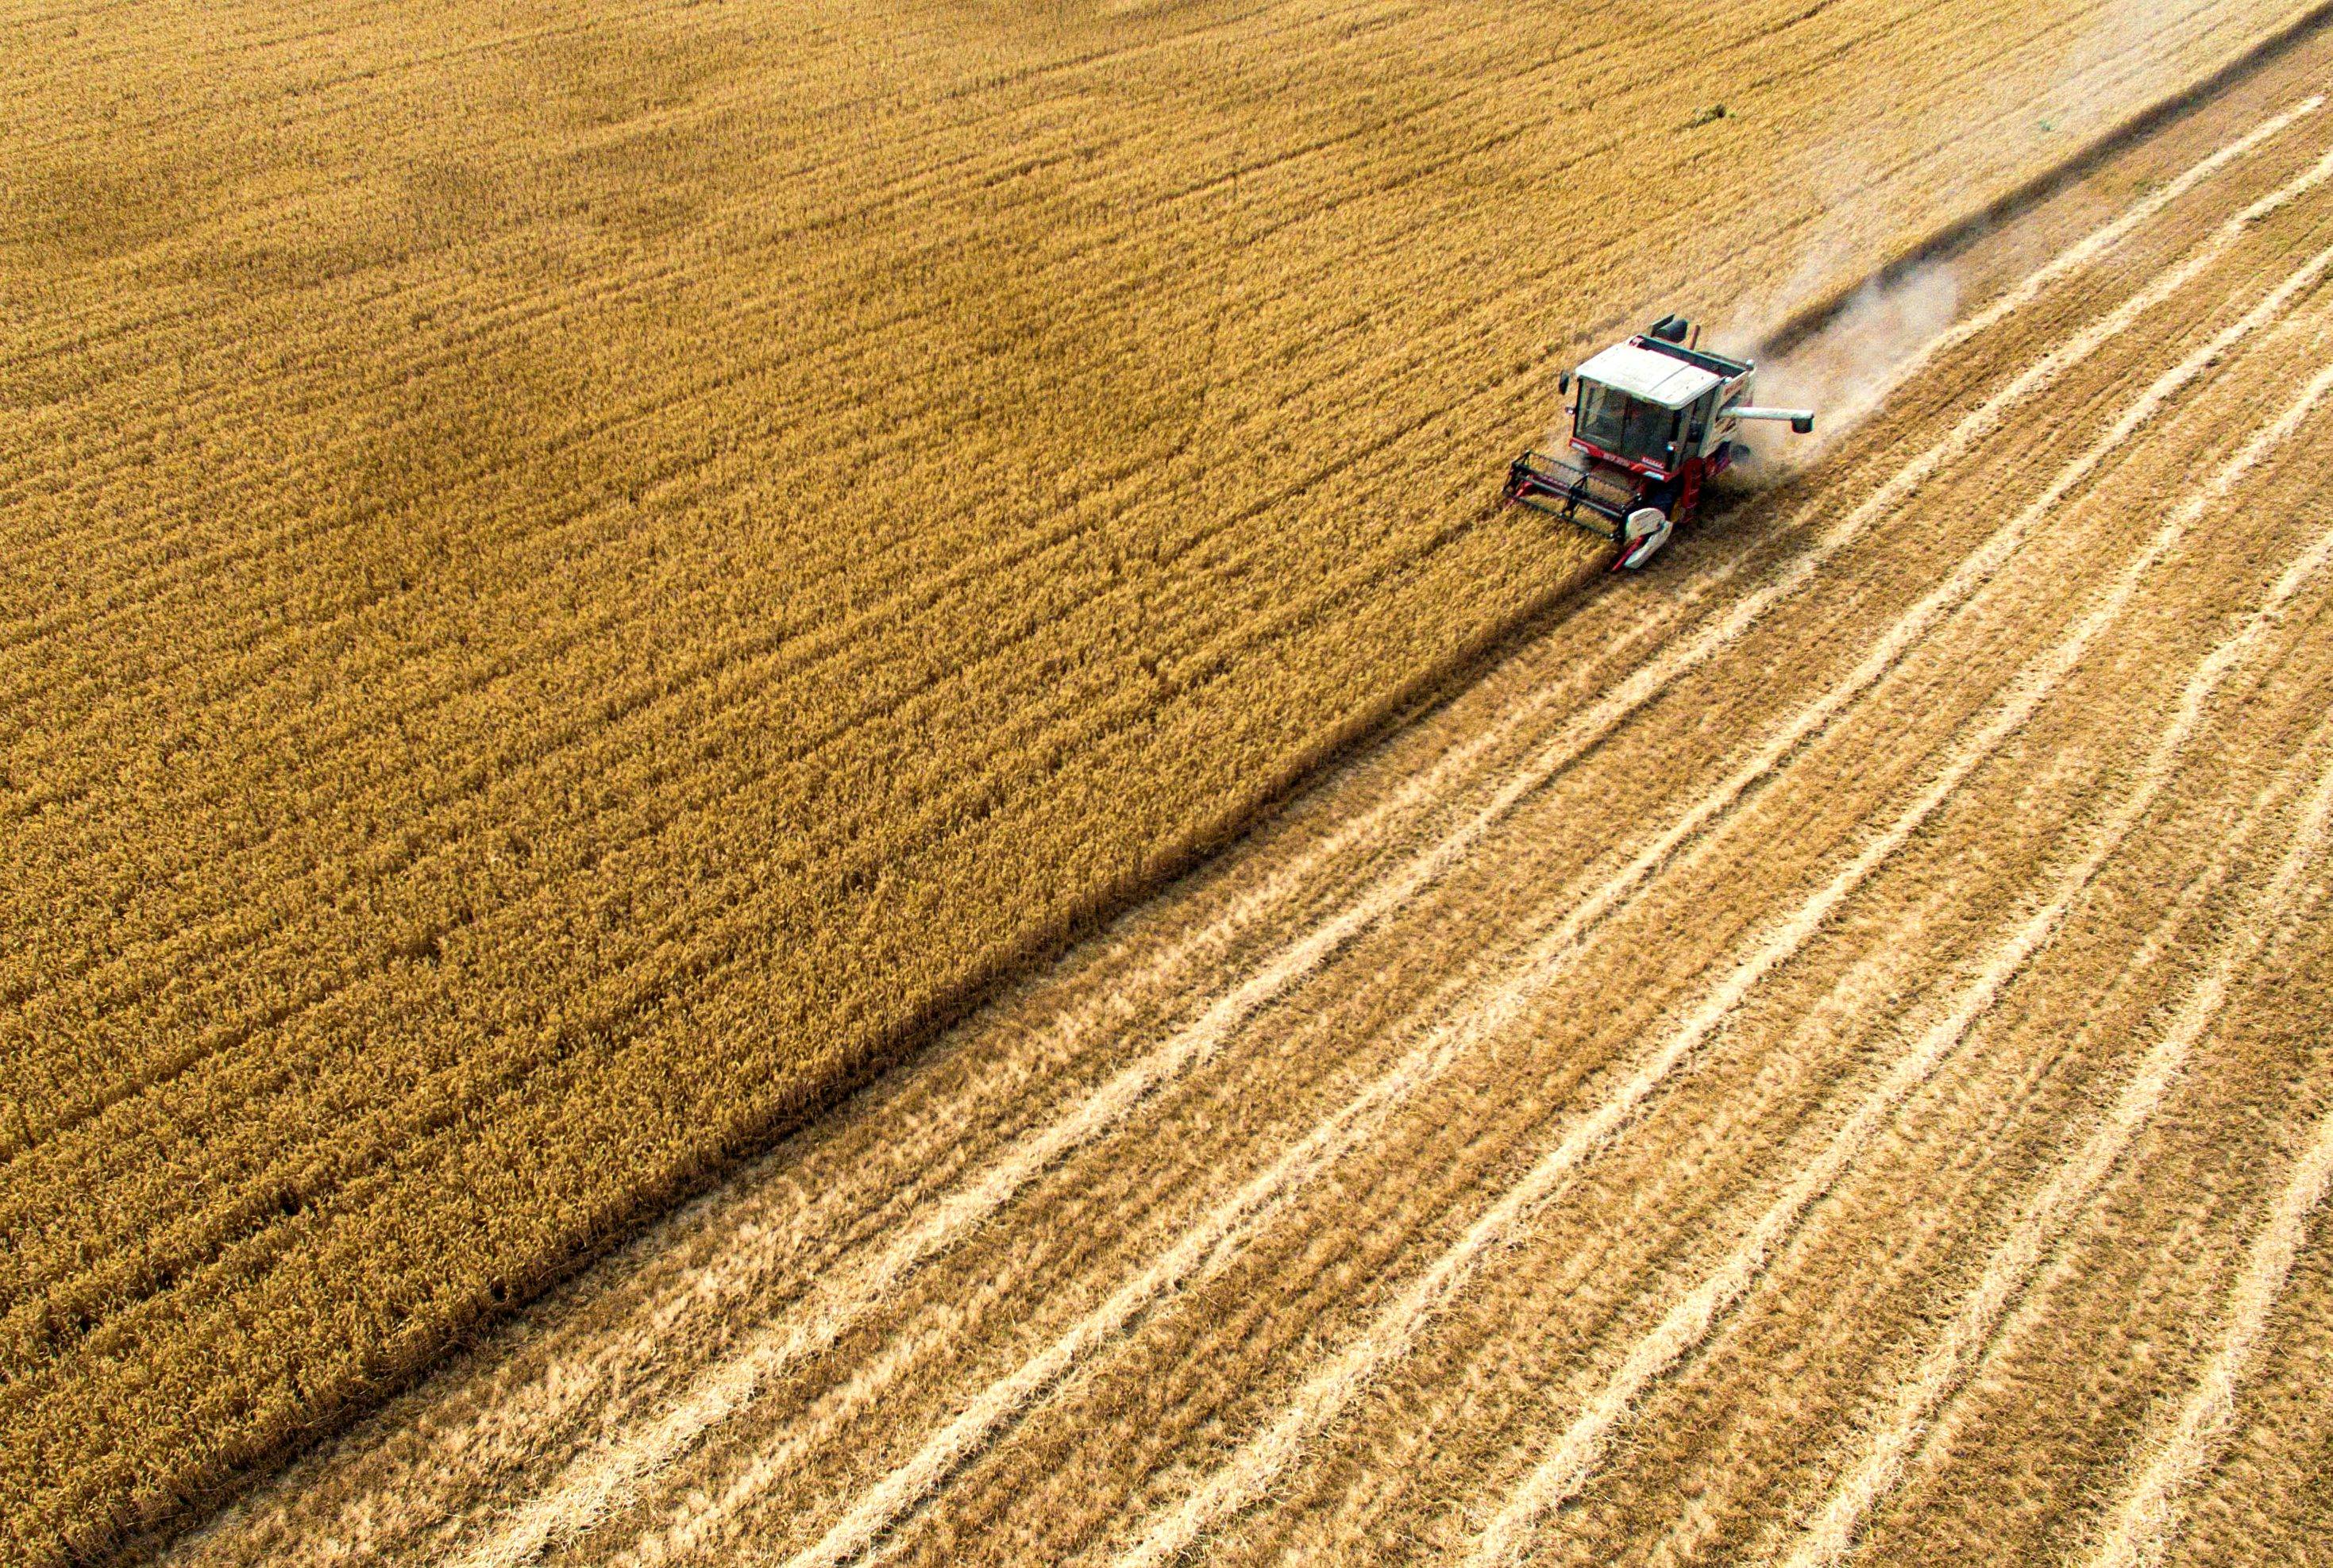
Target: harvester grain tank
(1658,418)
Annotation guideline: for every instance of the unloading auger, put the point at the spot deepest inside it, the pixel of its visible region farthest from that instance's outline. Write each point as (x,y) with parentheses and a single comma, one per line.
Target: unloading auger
(1657,418)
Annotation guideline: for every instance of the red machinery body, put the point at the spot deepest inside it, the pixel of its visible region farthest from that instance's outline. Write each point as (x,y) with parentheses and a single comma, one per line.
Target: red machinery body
(1655,420)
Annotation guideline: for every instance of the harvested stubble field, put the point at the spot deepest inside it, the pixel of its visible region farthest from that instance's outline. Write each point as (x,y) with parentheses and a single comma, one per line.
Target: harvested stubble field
(578,582)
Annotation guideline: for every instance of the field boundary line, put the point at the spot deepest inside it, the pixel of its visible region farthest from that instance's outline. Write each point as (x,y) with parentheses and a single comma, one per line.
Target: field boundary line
(1971,1337)
(1690,1321)
(596,1482)
(840,1300)
(2269,804)
(1239,1481)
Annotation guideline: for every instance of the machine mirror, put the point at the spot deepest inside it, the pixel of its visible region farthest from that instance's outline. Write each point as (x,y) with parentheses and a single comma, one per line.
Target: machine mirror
(1563,384)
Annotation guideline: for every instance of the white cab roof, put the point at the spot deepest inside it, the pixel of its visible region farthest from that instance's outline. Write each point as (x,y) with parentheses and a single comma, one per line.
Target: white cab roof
(1642,373)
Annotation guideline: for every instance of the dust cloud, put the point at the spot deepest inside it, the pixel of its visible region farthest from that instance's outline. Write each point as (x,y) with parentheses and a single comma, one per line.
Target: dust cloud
(1847,369)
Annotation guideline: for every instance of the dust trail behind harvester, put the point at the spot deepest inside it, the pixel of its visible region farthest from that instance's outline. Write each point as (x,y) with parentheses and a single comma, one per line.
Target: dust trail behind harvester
(1846,370)
(1892,326)
(1900,320)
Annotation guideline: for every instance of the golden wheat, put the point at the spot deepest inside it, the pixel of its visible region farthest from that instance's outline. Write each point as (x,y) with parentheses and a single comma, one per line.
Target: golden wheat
(576,582)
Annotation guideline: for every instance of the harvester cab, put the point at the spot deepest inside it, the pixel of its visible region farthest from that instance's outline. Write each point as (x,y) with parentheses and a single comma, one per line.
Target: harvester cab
(1657,418)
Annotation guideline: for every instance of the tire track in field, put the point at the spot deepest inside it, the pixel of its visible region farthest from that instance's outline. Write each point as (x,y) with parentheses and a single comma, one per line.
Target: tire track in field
(1972,1333)
(1202,1251)
(1241,1480)
(602,1481)
(1690,1321)
(1688,1538)
(1685,1477)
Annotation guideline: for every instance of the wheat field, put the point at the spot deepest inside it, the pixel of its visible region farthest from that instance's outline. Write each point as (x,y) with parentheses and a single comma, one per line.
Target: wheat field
(1901,1136)
(580,583)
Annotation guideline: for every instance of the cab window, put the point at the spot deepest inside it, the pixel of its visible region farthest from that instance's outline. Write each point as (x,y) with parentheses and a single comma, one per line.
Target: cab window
(1626,425)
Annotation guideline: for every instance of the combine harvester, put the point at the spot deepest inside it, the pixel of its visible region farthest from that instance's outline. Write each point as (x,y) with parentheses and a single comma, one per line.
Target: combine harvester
(1658,419)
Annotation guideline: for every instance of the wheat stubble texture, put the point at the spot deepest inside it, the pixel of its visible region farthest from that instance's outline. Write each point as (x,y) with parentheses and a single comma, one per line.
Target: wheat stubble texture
(578,580)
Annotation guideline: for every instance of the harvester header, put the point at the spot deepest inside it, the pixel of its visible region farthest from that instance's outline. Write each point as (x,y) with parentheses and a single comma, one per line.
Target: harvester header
(1656,419)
